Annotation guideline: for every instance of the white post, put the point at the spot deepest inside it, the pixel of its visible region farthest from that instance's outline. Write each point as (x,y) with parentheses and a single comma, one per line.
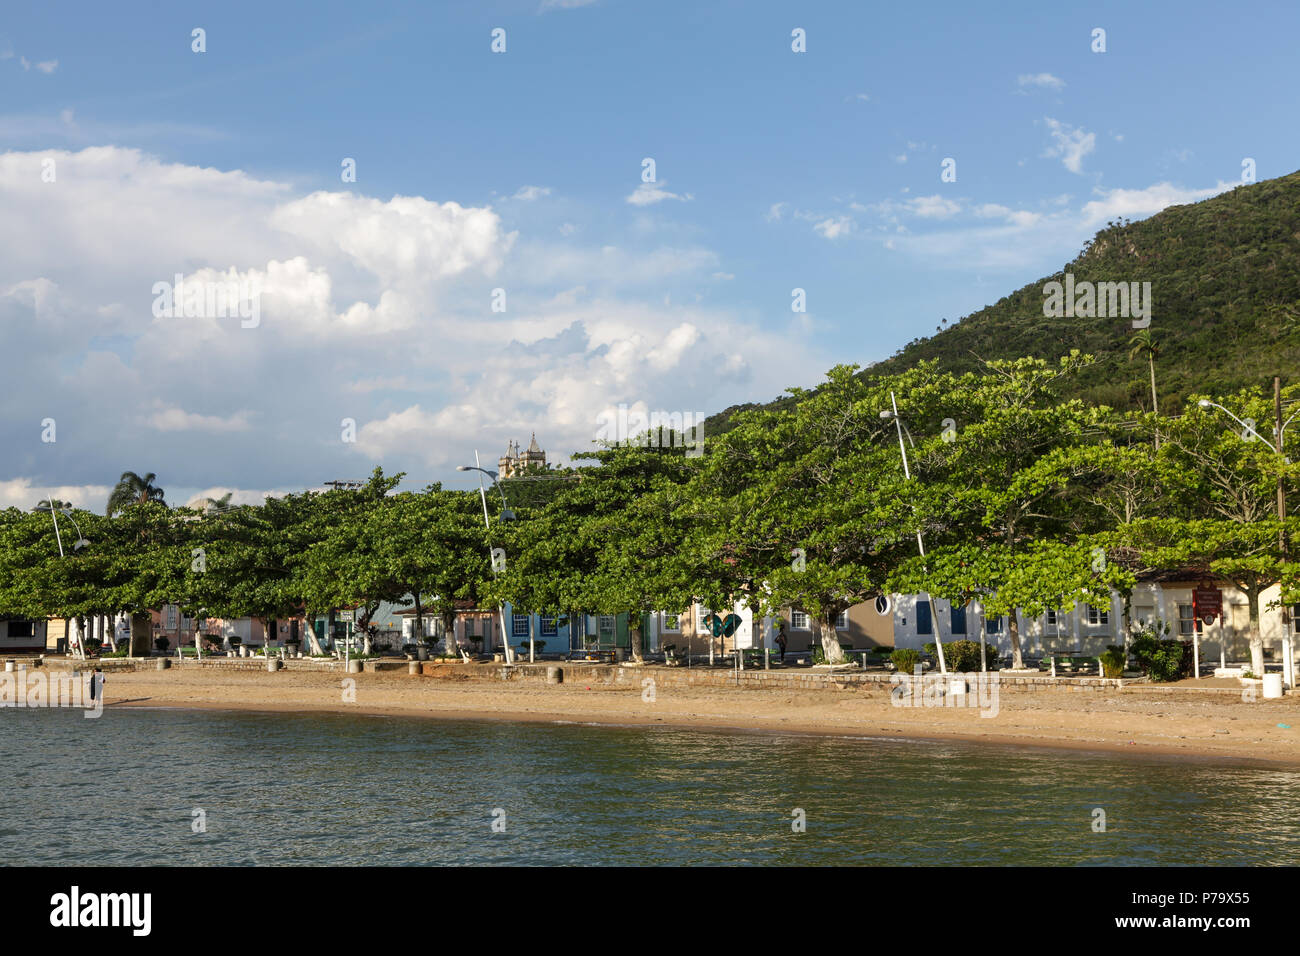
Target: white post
(1196,651)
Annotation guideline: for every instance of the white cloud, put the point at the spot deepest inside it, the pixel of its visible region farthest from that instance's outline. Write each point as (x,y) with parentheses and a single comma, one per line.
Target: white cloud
(530,193)
(47,66)
(775,211)
(370,309)
(647,194)
(1040,80)
(1016,217)
(563,5)
(1070,144)
(177,419)
(406,240)
(1140,203)
(24,493)
(934,207)
(834,227)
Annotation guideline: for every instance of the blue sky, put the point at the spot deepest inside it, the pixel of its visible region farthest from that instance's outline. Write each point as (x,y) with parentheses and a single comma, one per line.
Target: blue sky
(774,170)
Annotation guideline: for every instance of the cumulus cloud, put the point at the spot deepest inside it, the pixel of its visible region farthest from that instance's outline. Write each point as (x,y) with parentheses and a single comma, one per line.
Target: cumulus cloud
(834,227)
(1070,144)
(373,311)
(530,193)
(934,207)
(647,194)
(1044,81)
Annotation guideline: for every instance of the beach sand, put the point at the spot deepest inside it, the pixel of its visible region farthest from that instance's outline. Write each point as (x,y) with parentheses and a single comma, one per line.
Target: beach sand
(1133,720)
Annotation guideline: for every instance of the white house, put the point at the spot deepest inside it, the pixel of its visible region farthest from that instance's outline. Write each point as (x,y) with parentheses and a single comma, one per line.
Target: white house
(1089,628)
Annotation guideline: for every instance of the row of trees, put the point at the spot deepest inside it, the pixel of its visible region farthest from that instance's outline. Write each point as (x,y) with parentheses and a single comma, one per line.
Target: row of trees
(1018,497)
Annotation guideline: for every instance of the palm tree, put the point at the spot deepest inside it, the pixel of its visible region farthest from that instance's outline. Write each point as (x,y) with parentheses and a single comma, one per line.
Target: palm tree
(132,489)
(1144,343)
(218,505)
(46,504)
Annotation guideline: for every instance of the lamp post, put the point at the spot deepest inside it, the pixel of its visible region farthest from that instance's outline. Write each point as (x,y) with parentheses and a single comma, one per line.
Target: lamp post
(887,414)
(1279,435)
(506,515)
(80,543)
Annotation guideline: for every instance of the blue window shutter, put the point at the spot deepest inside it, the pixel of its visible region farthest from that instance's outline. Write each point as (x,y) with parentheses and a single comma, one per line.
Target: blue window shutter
(958,615)
(924,624)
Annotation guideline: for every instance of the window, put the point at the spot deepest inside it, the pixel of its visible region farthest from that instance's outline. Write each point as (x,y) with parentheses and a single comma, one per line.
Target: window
(605,625)
(1096,616)
(469,627)
(957,617)
(171,617)
(842,622)
(519,624)
(799,620)
(993,625)
(703,613)
(1186,622)
(924,623)
(672,622)
(22,628)
(549,626)
(186,622)
(1053,617)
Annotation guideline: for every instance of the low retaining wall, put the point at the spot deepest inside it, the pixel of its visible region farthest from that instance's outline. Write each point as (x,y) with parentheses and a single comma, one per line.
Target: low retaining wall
(618,675)
(127,664)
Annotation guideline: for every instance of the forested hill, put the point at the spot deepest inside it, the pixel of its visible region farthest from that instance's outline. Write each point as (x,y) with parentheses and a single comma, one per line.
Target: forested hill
(1225,286)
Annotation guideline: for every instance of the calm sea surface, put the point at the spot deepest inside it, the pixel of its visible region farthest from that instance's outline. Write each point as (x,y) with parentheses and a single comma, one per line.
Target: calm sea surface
(279,789)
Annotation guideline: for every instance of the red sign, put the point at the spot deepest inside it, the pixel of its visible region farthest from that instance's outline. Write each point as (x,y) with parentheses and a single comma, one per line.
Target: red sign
(1207,603)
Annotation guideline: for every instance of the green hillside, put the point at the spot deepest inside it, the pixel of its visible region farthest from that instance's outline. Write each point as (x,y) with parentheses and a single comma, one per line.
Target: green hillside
(1225,283)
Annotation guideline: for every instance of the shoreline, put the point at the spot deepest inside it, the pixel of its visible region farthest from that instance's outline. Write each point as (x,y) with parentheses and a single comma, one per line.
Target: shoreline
(1128,722)
(805,731)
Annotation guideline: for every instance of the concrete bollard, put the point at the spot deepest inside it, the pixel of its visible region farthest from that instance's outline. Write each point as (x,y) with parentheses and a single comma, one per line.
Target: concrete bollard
(354,667)
(164,663)
(413,667)
(273,665)
(9,666)
(555,675)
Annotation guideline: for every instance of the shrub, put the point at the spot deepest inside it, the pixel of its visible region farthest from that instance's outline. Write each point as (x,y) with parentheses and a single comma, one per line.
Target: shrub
(1171,661)
(905,659)
(1144,641)
(161,643)
(960,655)
(1113,661)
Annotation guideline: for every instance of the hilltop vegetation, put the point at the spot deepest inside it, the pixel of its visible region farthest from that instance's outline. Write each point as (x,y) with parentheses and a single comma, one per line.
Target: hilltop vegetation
(1225,280)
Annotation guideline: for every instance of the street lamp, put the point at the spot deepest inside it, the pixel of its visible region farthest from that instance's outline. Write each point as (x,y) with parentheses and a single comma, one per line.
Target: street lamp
(1279,434)
(80,543)
(506,515)
(887,414)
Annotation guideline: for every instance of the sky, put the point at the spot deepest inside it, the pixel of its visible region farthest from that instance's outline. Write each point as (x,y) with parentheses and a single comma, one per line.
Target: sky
(441,247)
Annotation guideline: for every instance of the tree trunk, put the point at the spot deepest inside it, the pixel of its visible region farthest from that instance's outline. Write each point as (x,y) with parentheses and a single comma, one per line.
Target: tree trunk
(450,646)
(634,637)
(419,619)
(1155,404)
(141,633)
(1013,632)
(830,640)
(329,631)
(1256,635)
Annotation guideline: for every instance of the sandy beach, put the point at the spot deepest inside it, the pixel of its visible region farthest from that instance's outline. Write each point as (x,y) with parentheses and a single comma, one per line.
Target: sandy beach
(1134,720)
